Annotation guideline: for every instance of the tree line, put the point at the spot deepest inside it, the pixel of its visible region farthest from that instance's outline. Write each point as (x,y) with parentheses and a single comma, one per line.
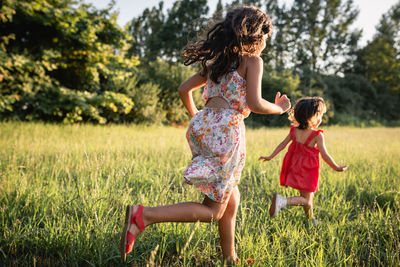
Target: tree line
(67,61)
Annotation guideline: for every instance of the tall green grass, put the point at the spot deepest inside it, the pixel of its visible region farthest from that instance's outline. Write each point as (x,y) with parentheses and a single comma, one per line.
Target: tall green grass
(63,190)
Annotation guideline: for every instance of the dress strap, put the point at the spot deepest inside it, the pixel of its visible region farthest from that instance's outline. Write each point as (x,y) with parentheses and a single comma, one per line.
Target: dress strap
(292,129)
(312,135)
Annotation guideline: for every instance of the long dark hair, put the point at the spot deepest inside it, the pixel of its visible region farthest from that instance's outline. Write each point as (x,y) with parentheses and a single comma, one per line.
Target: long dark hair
(305,109)
(242,31)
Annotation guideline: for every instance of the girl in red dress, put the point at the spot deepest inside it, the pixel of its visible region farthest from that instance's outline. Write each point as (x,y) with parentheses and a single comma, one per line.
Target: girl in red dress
(300,168)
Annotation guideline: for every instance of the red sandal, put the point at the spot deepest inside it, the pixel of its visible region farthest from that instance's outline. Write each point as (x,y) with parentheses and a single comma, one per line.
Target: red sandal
(127,238)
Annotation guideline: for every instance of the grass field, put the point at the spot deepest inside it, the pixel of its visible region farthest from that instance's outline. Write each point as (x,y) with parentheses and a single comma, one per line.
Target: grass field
(63,190)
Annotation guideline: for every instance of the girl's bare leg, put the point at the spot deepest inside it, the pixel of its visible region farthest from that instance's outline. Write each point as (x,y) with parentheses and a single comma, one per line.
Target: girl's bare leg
(208,211)
(308,209)
(305,199)
(226,227)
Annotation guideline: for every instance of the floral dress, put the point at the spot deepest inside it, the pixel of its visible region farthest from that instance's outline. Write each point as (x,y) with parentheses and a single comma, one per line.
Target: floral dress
(216,138)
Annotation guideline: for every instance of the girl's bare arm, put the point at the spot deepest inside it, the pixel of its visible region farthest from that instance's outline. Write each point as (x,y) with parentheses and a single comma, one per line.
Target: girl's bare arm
(186,88)
(254,98)
(278,149)
(325,155)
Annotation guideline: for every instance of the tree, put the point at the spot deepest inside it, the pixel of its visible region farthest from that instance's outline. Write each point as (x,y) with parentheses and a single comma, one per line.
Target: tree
(275,52)
(145,31)
(61,61)
(185,20)
(380,59)
(379,62)
(319,33)
(257,3)
(218,13)
(158,35)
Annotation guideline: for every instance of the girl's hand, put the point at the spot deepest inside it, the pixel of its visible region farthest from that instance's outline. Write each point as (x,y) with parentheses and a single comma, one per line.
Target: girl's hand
(282,101)
(341,168)
(265,158)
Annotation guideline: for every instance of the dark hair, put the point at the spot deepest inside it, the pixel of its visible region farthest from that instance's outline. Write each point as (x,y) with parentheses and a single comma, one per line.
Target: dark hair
(242,31)
(306,108)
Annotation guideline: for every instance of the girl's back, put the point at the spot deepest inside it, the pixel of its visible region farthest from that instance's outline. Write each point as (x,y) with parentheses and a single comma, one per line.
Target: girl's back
(300,166)
(301,136)
(232,88)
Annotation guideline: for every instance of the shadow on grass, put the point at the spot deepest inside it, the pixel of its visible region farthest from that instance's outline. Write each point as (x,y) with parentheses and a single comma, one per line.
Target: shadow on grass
(372,199)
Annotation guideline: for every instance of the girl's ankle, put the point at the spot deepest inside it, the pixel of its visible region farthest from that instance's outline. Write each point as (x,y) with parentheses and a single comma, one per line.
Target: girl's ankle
(146,216)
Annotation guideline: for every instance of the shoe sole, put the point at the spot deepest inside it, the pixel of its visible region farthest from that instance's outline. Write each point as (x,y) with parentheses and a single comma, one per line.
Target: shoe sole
(273,206)
(122,244)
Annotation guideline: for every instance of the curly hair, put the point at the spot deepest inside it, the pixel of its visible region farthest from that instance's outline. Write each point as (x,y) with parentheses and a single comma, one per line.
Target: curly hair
(241,32)
(305,109)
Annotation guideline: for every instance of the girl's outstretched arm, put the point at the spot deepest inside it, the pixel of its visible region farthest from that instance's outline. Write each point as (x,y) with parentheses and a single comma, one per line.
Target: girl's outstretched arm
(325,155)
(186,88)
(254,98)
(278,149)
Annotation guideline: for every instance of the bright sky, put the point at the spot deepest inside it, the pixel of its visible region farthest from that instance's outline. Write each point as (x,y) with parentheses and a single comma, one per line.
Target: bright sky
(369,16)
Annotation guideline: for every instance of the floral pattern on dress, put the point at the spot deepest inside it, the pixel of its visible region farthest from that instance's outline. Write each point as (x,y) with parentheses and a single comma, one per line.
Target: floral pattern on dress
(232,88)
(217,140)
(216,137)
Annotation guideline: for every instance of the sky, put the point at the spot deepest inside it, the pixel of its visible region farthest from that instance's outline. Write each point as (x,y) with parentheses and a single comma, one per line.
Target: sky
(369,16)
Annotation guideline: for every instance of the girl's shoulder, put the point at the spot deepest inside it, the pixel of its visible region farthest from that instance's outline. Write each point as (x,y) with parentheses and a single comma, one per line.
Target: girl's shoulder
(248,64)
(251,65)
(319,134)
(249,60)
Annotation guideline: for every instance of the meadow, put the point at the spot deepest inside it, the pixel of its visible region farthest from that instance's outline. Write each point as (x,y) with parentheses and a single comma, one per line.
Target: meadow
(63,191)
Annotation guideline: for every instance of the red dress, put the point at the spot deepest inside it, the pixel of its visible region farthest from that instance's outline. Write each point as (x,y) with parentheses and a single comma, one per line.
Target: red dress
(300,168)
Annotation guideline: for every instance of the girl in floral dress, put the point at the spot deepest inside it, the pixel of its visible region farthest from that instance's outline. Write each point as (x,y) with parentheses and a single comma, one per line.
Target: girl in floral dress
(231,75)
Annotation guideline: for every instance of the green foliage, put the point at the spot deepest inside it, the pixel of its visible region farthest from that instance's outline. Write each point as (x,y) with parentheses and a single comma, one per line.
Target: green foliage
(66,61)
(353,100)
(311,34)
(382,63)
(28,93)
(169,76)
(63,63)
(185,19)
(147,107)
(379,62)
(101,108)
(156,34)
(145,31)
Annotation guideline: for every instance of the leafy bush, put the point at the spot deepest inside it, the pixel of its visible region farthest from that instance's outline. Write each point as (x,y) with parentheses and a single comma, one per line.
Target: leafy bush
(169,76)
(353,99)
(63,63)
(147,108)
